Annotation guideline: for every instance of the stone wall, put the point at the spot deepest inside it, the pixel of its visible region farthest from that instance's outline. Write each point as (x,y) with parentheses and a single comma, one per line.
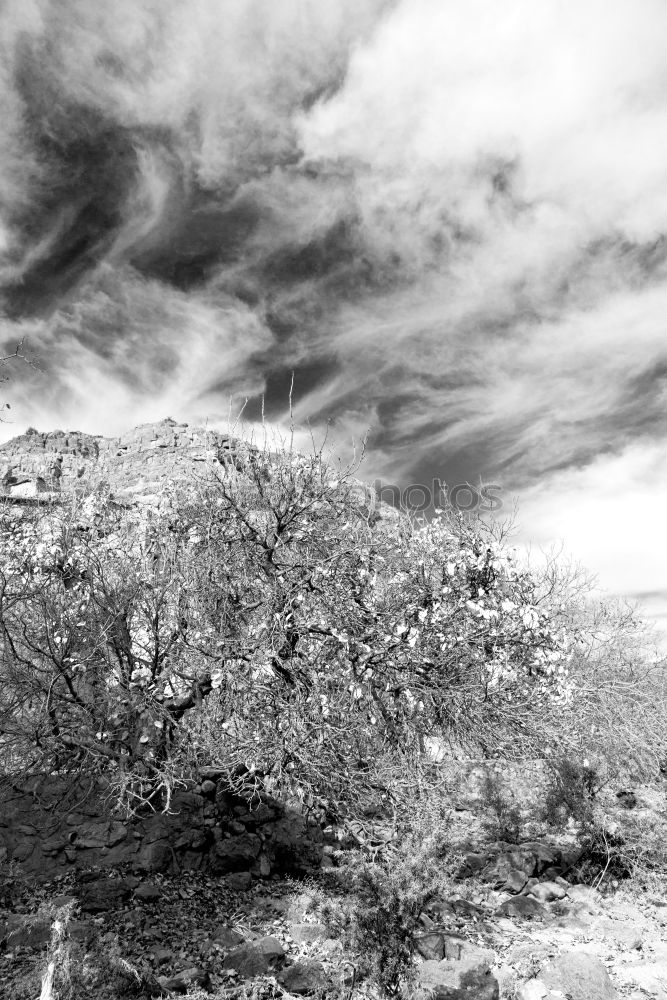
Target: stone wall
(47,825)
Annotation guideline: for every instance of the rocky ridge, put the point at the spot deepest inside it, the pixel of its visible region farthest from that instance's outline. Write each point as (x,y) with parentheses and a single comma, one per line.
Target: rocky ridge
(135,464)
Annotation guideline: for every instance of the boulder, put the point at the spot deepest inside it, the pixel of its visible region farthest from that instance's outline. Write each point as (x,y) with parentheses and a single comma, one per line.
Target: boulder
(436,945)
(185,980)
(460,979)
(97,835)
(544,856)
(104,894)
(236,853)
(515,881)
(579,976)
(534,989)
(239,881)
(431,945)
(55,843)
(227,938)
(23,850)
(513,861)
(255,959)
(257,815)
(147,892)
(156,856)
(547,892)
(464,908)
(473,863)
(303,978)
(162,955)
(525,907)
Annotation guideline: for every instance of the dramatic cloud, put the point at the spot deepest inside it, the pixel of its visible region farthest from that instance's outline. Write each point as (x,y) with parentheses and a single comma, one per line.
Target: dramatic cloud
(447,218)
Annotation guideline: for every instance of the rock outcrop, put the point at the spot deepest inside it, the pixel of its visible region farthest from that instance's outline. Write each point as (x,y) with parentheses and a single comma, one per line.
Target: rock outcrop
(136,464)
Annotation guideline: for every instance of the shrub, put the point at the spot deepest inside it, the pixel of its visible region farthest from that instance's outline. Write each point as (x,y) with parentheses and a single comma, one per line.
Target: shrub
(632,846)
(507,822)
(571,792)
(380,920)
(604,858)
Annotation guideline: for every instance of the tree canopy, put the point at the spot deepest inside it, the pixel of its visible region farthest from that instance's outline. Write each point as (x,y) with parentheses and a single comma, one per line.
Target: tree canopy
(273,622)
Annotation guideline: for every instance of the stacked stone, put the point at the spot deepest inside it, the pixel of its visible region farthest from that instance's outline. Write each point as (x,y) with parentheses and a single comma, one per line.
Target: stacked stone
(43,827)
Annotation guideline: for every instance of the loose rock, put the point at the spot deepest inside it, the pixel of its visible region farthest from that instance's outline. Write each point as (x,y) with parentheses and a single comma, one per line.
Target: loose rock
(578,976)
(303,978)
(255,959)
(104,894)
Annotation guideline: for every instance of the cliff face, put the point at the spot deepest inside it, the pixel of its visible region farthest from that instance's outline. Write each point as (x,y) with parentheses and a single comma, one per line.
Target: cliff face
(136,463)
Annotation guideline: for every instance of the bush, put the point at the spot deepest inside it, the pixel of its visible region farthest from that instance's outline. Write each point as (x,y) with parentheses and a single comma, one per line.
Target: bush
(631,847)
(604,858)
(380,921)
(507,822)
(571,793)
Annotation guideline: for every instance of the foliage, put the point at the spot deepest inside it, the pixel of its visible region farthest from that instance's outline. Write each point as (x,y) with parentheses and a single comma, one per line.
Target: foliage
(77,973)
(507,822)
(621,843)
(272,621)
(380,923)
(621,704)
(571,792)
(639,846)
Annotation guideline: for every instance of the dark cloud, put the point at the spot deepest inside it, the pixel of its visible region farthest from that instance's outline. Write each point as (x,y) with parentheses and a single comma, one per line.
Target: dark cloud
(88,169)
(400,203)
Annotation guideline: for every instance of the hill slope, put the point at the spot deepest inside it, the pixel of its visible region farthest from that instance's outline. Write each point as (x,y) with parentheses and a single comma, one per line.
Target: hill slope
(134,464)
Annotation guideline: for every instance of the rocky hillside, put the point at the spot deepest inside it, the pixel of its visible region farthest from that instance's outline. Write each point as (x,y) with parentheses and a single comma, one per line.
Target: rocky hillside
(515,923)
(136,463)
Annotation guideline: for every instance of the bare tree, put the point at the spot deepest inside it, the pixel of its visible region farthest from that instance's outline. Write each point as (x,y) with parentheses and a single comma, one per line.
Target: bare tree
(273,623)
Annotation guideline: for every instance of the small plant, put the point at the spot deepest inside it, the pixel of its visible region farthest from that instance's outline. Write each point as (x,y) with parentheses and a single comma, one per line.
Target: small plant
(77,973)
(604,859)
(386,917)
(14,884)
(388,896)
(57,976)
(571,793)
(633,847)
(507,821)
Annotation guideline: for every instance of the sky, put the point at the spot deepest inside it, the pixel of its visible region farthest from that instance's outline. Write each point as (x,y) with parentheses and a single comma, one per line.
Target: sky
(446,217)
